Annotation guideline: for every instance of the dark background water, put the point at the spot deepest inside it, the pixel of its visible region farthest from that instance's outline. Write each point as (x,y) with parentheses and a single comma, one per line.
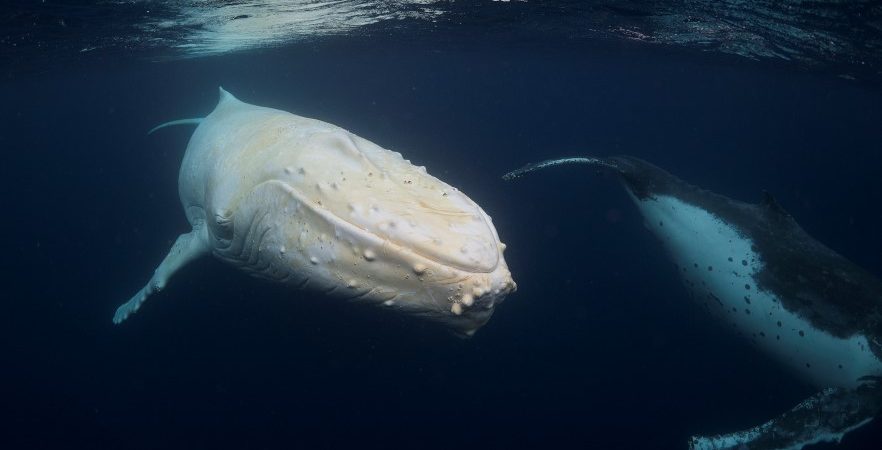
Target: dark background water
(598,348)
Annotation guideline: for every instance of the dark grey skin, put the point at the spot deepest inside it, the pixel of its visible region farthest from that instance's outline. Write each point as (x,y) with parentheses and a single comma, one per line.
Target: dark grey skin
(807,280)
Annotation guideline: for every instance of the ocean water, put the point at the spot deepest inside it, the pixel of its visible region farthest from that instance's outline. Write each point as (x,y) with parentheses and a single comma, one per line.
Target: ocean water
(600,347)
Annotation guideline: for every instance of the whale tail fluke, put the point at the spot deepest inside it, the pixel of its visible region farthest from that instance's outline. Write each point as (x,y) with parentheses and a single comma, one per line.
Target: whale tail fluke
(194,121)
(824,417)
(605,163)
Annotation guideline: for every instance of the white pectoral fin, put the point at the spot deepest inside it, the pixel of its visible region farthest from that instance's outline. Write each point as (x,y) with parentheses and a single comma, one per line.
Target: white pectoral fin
(195,121)
(591,161)
(824,417)
(188,247)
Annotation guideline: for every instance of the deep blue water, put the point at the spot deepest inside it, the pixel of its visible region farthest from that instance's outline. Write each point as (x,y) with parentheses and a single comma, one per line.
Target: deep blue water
(599,347)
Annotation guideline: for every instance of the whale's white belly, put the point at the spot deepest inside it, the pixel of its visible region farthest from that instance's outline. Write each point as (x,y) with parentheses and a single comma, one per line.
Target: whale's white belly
(718,265)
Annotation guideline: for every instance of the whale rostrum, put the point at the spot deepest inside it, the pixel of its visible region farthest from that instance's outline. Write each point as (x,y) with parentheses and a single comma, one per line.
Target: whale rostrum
(757,270)
(308,204)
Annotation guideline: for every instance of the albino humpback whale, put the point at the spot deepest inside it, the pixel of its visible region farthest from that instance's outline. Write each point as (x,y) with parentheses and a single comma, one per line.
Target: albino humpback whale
(754,267)
(311,205)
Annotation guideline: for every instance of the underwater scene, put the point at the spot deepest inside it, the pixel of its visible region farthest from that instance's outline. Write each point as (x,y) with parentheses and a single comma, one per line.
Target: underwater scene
(429,224)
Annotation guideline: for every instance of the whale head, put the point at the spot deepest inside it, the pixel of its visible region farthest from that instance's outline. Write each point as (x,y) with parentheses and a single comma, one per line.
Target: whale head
(336,213)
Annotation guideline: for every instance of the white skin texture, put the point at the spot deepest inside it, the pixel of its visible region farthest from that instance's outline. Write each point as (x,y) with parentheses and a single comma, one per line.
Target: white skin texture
(308,204)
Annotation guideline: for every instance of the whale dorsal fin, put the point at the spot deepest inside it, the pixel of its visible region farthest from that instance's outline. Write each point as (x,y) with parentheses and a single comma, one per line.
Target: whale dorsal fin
(771,203)
(225,97)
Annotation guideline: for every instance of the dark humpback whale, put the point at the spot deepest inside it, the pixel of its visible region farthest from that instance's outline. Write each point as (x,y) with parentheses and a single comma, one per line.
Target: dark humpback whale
(753,266)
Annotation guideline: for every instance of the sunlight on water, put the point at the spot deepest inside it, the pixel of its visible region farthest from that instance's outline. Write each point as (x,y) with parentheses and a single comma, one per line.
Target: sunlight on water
(842,37)
(210,28)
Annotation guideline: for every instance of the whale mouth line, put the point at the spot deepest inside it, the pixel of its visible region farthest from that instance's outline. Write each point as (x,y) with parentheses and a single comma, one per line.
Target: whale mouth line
(356,229)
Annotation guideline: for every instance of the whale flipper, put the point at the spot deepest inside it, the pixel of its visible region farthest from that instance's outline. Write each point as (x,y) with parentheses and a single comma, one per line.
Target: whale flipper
(188,247)
(824,417)
(194,121)
(600,162)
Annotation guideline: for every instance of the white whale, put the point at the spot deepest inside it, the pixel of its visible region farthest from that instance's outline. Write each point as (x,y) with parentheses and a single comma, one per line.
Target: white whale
(311,205)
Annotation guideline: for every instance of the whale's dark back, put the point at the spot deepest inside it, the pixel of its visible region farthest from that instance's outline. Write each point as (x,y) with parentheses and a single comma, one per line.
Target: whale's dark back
(812,280)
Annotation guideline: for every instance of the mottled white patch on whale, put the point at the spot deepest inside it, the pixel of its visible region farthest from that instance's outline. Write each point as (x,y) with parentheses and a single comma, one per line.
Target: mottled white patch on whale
(796,438)
(754,267)
(718,265)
